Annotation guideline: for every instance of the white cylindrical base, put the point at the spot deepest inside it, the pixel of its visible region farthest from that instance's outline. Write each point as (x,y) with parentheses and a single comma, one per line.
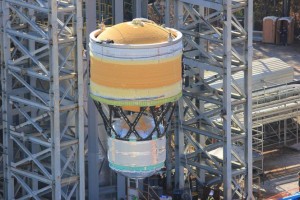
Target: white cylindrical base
(137,159)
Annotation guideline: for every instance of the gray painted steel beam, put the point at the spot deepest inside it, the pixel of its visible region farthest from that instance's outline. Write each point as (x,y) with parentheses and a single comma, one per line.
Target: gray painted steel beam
(119,11)
(138,8)
(167,13)
(93,150)
(216,54)
(45,130)
(227,112)
(121,187)
(248,105)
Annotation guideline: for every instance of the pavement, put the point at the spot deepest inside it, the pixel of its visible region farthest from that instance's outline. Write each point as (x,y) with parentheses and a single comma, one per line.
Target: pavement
(290,54)
(281,167)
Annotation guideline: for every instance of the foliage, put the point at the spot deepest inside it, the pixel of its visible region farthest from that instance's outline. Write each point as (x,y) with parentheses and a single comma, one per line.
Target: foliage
(266,8)
(274,8)
(295,12)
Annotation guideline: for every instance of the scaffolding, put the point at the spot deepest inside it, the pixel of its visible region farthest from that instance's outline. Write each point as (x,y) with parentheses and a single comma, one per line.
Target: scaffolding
(43,94)
(202,26)
(105,10)
(42,89)
(216,42)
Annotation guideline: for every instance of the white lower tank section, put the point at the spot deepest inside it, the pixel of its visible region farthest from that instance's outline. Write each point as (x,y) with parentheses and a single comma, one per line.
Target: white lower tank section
(137,159)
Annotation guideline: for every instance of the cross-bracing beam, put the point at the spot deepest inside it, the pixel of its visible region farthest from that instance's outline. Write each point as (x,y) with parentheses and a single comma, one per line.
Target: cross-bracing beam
(42,86)
(217,45)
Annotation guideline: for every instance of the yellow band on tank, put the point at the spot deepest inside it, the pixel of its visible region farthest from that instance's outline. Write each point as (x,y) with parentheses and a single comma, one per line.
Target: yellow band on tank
(140,103)
(121,93)
(143,75)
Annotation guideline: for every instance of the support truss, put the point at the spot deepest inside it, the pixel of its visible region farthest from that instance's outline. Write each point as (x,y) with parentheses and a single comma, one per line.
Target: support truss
(212,143)
(42,89)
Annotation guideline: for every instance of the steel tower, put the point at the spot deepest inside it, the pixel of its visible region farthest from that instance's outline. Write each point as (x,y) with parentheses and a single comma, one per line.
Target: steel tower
(210,141)
(42,89)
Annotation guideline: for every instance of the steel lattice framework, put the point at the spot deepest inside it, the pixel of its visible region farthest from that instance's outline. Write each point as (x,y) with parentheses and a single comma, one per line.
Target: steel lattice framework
(217,45)
(42,89)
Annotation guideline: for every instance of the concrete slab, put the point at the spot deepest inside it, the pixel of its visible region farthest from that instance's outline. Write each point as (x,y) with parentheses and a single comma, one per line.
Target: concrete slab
(295,147)
(289,54)
(281,168)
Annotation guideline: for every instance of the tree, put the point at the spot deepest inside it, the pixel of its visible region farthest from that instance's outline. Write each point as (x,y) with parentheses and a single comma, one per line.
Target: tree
(279,8)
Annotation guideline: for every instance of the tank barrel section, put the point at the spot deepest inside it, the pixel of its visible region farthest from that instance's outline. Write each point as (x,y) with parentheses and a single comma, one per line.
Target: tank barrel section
(135,82)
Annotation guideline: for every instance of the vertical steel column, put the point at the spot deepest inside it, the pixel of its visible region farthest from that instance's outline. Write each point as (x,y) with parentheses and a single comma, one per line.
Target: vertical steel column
(43,118)
(54,100)
(178,12)
(167,13)
(138,8)
(93,147)
(79,120)
(179,134)
(119,11)
(201,138)
(6,82)
(284,131)
(141,8)
(297,129)
(144,9)
(248,105)
(1,129)
(179,147)
(226,112)
(121,186)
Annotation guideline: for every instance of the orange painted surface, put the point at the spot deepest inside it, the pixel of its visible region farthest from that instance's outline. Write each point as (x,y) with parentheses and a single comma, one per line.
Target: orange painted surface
(132,108)
(131,33)
(124,75)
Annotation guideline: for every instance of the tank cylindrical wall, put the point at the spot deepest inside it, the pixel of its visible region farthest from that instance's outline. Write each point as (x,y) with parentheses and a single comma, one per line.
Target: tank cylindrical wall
(139,159)
(141,75)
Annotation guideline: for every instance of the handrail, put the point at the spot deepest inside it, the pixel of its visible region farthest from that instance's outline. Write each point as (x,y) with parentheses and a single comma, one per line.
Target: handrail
(140,192)
(149,186)
(150,195)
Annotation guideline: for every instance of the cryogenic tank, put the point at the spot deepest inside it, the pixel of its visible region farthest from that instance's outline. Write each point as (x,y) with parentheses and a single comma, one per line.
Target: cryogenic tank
(135,80)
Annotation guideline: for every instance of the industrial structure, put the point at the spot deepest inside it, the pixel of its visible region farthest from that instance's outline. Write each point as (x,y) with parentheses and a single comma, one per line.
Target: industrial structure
(135,80)
(55,143)
(42,100)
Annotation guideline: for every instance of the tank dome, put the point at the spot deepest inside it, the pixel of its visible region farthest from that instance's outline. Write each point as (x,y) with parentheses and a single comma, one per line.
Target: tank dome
(138,31)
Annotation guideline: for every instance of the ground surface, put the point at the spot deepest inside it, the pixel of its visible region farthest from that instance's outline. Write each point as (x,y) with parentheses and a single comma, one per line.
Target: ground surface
(290,54)
(281,168)
(282,164)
